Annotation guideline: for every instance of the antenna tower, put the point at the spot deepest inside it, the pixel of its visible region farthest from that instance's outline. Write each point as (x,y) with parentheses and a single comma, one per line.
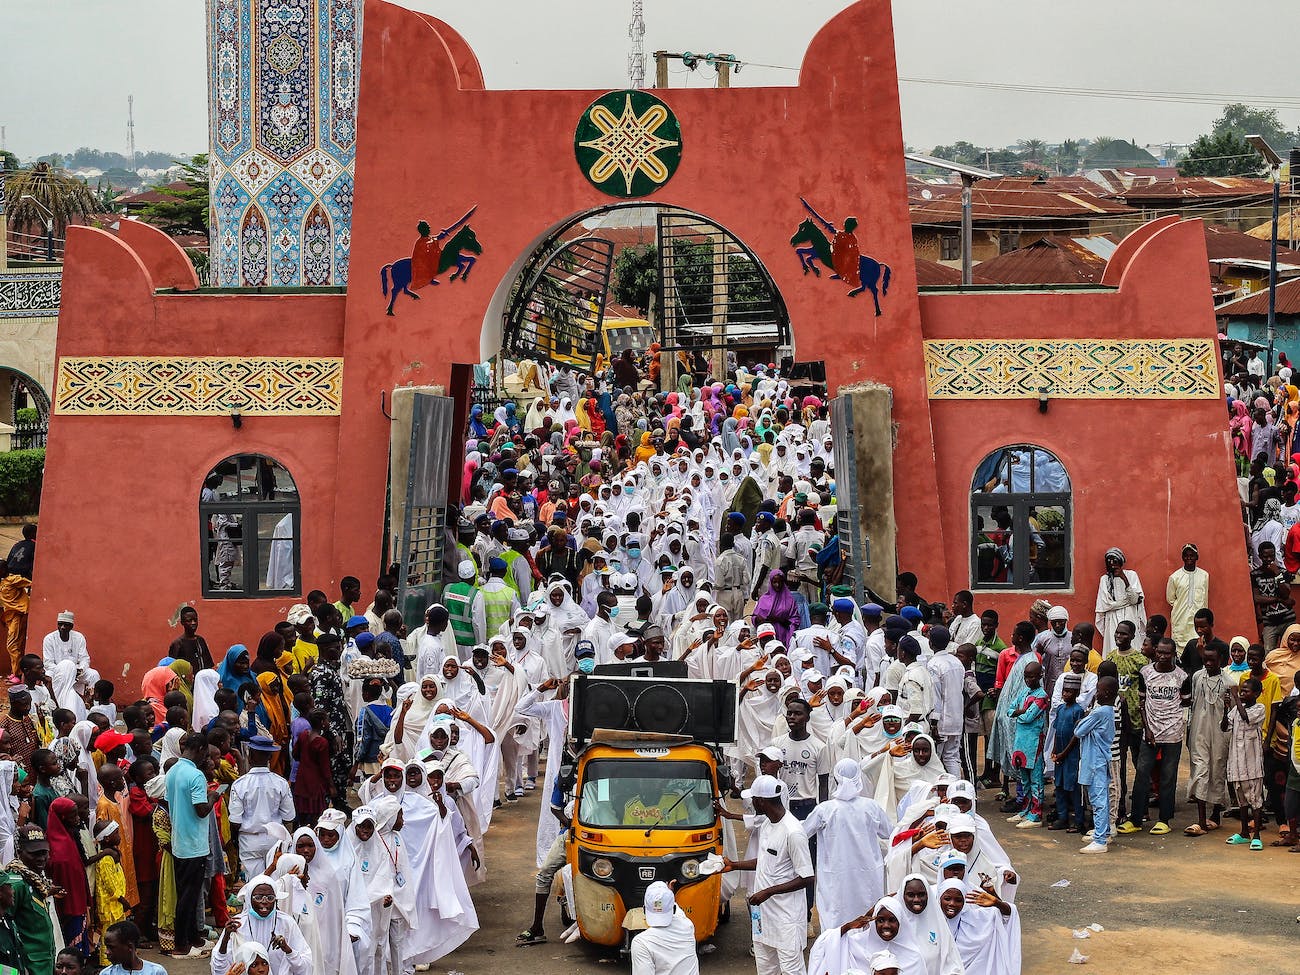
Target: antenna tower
(636,59)
(130,129)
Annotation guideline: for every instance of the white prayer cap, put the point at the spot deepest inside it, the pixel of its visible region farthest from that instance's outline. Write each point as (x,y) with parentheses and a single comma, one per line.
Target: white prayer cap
(1058,613)
(466,569)
(517,534)
(66,617)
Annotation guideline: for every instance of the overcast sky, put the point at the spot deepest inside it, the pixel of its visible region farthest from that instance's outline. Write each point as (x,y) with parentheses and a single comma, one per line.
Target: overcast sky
(68,65)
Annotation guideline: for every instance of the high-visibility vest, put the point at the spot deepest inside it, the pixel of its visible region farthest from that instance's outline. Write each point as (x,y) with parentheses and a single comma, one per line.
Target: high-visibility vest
(509,556)
(459,600)
(497,605)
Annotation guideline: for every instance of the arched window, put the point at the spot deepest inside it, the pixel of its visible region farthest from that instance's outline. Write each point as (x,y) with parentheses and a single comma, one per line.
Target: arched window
(1020,520)
(249,520)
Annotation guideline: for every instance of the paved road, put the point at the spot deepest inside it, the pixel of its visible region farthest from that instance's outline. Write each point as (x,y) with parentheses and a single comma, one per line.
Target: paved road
(1170,905)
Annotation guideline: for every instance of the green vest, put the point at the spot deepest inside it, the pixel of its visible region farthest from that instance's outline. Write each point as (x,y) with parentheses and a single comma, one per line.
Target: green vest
(459,600)
(508,557)
(496,607)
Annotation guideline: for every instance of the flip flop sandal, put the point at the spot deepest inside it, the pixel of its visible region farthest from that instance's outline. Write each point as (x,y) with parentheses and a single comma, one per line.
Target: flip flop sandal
(1194,830)
(1257,845)
(1211,826)
(526,938)
(1282,842)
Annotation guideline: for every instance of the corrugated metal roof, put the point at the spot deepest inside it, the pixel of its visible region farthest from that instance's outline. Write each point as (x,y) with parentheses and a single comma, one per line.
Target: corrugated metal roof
(1022,201)
(1052,260)
(1288,227)
(932,273)
(1288,302)
(1196,188)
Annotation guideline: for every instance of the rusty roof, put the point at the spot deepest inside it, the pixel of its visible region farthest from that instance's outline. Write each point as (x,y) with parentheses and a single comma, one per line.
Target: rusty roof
(1018,200)
(1224,244)
(931,273)
(1196,188)
(1051,260)
(1288,302)
(1288,227)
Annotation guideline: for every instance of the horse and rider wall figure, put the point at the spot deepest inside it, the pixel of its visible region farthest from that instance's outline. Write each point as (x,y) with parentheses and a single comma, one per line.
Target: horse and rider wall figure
(455,245)
(841,254)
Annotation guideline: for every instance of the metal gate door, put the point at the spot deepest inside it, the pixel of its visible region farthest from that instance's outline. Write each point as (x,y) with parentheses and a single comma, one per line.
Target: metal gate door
(424,525)
(855,547)
(556,316)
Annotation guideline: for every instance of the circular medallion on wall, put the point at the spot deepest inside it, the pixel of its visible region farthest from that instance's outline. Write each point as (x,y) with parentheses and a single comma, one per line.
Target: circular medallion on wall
(628,143)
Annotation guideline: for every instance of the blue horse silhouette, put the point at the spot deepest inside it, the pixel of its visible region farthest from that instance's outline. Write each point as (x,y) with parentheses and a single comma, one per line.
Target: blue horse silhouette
(872,275)
(464,240)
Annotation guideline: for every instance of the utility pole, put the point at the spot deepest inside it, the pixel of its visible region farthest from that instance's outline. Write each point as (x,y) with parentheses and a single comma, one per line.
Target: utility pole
(723,63)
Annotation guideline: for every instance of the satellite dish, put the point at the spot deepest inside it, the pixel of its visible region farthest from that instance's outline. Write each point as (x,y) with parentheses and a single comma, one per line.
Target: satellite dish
(927,195)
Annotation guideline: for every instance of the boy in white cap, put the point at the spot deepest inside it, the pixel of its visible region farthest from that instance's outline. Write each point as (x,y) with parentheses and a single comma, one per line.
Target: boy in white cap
(464,605)
(667,945)
(1054,645)
(783,870)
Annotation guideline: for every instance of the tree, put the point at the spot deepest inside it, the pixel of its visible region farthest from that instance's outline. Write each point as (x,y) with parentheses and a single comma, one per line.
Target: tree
(1067,157)
(1221,155)
(61,194)
(636,276)
(8,161)
(1242,120)
(186,210)
(1107,153)
(1031,150)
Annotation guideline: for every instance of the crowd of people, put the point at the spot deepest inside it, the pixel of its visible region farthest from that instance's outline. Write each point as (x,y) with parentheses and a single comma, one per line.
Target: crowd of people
(320,804)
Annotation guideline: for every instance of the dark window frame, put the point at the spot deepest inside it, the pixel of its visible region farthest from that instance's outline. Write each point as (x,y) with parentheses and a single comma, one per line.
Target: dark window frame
(253,552)
(950,247)
(1020,506)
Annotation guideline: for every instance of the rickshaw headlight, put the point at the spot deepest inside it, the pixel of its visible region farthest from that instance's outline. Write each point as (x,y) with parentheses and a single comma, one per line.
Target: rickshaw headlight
(602,868)
(690,869)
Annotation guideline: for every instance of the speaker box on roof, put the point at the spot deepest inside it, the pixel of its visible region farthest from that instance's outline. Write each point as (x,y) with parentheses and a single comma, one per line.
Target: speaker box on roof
(703,709)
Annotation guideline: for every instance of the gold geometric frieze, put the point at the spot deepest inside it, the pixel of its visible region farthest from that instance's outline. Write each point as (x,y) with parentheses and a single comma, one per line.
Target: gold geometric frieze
(1072,368)
(199,386)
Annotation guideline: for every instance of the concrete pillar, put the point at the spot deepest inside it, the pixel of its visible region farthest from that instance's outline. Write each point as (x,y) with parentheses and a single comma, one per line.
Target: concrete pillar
(871,477)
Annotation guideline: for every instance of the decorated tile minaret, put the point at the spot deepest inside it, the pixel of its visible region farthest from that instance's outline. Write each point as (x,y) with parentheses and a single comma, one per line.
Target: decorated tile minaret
(282,78)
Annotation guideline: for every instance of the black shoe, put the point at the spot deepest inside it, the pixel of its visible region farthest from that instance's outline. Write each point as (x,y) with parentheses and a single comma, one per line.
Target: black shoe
(1011,806)
(1057,824)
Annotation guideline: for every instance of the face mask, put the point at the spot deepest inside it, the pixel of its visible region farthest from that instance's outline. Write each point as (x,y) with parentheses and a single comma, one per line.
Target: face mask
(267,914)
(586,665)
(629,490)
(634,552)
(613,611)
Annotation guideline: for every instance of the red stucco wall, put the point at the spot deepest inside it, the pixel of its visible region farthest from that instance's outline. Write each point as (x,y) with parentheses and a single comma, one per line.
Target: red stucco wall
(1148,475)
(119,523)
(119,542)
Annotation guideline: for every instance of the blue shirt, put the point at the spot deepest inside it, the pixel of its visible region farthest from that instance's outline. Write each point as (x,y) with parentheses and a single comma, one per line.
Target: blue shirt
(1095,731)
(148,968)
(186,785)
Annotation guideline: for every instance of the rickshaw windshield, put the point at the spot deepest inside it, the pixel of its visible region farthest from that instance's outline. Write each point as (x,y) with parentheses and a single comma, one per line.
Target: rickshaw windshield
(644,792)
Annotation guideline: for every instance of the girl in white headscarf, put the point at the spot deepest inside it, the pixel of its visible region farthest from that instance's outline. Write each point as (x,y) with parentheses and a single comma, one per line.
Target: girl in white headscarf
(206,683)
(446,913)
(381,856)
(333,847)
(404,739)
(756,714)
(985,928)
(262,924)
(928,927)
(82,733)
(851,946)
(679,598)
(897,770)
(319,903)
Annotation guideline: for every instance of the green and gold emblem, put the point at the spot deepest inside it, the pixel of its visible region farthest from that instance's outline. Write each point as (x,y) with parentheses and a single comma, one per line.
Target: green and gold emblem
(628,143)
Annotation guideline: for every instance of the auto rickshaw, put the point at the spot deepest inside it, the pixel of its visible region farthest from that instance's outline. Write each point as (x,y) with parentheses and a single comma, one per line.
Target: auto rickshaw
(647,747)
(643,811)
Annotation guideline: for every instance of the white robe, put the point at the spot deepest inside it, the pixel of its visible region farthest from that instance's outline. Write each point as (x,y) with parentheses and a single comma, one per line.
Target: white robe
(850,872)
(555,718)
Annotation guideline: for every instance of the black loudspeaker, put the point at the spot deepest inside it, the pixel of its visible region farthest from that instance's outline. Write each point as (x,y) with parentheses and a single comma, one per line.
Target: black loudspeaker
(703,709)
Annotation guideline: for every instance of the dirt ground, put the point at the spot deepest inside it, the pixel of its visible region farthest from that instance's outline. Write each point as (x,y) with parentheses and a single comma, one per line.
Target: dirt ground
(1170,905)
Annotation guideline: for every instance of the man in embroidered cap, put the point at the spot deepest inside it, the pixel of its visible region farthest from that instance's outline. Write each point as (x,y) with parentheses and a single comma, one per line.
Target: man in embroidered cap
(1187,590)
